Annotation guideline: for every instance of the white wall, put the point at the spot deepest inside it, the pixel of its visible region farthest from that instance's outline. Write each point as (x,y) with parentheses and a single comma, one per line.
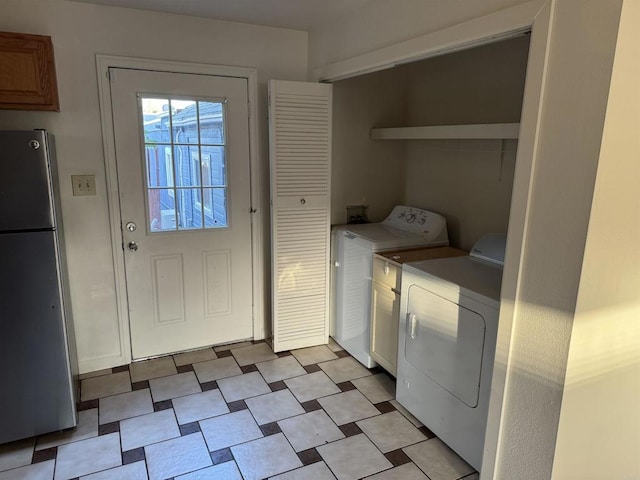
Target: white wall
(561,187)
(599,428)
(468,181)
(365,171)
(79,32)
(480,85)
(385,22)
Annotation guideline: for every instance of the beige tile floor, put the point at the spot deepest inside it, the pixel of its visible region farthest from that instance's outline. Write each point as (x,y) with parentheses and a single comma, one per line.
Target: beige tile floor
(238,412)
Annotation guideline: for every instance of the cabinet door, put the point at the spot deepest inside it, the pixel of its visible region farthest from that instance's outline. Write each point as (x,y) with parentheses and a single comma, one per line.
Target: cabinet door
(27,72)
(385,310)
(300,154)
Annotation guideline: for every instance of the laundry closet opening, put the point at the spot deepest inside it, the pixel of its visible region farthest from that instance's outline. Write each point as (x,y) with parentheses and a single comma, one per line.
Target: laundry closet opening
(437,140)
(468,180)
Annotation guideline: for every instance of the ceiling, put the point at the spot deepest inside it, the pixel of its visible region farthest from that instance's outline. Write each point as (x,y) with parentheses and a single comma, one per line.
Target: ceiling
(295,14)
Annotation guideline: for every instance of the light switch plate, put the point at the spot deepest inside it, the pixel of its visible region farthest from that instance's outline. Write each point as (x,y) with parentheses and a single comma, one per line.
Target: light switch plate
(83,185)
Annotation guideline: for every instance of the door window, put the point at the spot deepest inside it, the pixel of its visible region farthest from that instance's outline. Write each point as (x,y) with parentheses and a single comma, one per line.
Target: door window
(185,163)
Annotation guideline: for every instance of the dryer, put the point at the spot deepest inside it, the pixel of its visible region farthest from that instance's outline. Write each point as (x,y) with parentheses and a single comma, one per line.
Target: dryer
(352,248)
(446,343)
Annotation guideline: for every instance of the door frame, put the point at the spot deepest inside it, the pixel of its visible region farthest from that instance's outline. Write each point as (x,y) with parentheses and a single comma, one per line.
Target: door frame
(103,63)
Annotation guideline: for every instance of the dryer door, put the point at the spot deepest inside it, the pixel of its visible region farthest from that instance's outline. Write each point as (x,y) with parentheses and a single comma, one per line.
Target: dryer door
(445,341)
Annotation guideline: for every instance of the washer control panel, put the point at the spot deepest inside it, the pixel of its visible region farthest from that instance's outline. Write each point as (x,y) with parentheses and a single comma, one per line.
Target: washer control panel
(430,224)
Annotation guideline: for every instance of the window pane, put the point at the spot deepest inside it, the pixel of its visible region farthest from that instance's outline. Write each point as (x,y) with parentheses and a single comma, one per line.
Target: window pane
(155,119)
(187,160)
(213,168)
(162,210)
(211,123)
(184,143)
(190,208)
(184,121)
(159,165)
(215,207)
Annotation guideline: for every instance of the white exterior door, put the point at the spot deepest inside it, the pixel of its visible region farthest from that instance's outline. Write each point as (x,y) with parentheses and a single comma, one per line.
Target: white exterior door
(182,151)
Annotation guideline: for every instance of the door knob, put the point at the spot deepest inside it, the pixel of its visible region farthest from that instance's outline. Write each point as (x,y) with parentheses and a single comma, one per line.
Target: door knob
(133,247)
(131,226)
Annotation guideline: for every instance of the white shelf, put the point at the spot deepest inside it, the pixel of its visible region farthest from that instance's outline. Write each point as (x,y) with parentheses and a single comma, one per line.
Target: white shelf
(489,130)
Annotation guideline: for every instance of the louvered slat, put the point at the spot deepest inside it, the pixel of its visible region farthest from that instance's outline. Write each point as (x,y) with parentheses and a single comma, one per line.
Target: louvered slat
(300,152)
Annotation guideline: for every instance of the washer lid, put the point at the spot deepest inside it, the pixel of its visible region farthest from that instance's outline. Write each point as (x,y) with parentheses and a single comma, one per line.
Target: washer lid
(380,236)
(378,232)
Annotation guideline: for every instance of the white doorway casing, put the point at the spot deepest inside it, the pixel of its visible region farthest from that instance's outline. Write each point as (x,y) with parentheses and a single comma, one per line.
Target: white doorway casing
(103,63)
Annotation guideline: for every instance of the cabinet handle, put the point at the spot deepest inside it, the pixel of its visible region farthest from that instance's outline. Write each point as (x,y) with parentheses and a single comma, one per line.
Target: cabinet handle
(396,291)
(303,201)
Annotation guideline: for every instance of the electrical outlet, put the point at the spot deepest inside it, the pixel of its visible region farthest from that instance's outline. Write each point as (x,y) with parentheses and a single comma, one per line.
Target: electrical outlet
(83,185)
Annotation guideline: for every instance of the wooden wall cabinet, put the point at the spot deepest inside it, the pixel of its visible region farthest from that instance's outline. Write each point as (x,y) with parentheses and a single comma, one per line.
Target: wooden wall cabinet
(27,73)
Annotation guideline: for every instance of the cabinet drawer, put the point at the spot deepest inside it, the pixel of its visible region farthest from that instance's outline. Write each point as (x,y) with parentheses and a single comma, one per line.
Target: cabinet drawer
(386,273)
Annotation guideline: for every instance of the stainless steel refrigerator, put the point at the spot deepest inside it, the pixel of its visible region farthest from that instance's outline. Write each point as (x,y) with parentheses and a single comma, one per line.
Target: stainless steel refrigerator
(38,373)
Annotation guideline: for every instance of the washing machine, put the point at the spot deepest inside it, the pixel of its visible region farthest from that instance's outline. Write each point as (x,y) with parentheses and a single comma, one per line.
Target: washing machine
(446,343)
(352,248)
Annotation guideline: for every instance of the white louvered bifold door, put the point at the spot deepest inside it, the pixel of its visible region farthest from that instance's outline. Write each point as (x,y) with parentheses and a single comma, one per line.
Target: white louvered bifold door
(300,155)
